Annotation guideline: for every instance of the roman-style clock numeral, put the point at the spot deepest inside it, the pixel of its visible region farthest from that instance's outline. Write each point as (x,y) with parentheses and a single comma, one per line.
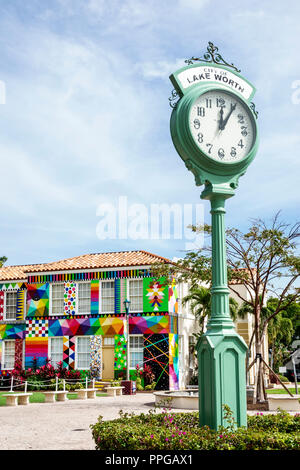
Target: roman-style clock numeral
(208,103)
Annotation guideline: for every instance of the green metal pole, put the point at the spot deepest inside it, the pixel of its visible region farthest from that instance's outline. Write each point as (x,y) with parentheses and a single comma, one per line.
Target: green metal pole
(221,351)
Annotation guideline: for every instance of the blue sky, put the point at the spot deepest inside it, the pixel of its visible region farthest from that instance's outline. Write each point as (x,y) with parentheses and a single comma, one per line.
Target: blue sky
(86,117)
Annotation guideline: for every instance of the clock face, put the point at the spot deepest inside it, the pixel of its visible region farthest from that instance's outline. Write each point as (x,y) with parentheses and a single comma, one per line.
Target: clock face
(222,126)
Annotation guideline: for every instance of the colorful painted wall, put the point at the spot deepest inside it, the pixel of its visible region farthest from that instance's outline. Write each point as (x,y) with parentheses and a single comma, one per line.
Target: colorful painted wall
(157,322)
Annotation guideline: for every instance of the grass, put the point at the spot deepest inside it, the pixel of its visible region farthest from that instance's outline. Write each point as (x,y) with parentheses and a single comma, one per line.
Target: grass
(282,391)
(39,397)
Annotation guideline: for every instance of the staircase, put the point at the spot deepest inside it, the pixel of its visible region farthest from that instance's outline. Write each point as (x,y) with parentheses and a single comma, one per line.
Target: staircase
(101,385)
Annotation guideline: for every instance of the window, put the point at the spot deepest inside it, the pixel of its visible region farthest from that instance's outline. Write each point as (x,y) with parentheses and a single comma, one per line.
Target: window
(8,354)
(136,351)
(109,341)
(192,347)
(136,295)
(84,297)
(11,305)
(180,352)
(56,350)
(58,291)
(108,297)
(83,352)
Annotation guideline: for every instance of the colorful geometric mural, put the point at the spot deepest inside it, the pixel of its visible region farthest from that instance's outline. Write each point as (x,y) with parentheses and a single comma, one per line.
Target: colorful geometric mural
(36,328)
(149,324)
(20,305)
(173,362)
(13,286)
(86,326)
(36,348)
(173,298)
(94,297)
(69,352)
(70,298)
(120,295)
(1,304)
(18,352)
(96,357)
(38,300)
(155,296)
(156,355)
(120,352)
(12,331)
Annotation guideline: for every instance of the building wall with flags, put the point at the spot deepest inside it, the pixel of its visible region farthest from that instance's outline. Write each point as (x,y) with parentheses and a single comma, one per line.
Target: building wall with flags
(77,316)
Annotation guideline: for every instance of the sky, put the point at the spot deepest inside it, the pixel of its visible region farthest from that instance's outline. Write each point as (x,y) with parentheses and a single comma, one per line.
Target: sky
(84,119)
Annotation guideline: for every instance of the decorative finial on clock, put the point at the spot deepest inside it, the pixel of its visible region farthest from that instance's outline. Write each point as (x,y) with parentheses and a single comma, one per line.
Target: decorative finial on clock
(212,56)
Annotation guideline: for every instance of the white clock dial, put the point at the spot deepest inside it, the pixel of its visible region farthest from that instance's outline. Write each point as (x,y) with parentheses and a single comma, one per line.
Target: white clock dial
(222,126)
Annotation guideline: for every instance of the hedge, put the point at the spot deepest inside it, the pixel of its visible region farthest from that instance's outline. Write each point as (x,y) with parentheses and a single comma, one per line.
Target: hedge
(180,431)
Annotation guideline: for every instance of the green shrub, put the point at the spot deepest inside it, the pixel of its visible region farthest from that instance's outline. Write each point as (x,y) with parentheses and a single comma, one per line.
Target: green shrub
(180,431)
(283,378)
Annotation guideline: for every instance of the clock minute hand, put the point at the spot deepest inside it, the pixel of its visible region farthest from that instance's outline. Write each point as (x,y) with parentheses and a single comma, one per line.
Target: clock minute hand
(232,108)
(221,118)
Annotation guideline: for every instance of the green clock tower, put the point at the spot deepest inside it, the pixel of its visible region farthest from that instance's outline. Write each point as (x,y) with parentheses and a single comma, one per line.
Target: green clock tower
(214,130)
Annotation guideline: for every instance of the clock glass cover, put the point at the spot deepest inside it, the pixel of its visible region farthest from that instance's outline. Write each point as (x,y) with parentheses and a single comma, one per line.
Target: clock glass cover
(222,126)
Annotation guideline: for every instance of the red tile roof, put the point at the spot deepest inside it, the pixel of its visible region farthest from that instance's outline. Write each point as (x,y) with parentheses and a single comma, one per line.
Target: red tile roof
(84,262)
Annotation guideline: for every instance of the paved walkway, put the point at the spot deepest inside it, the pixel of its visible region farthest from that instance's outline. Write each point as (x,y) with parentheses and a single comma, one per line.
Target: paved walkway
(65,425)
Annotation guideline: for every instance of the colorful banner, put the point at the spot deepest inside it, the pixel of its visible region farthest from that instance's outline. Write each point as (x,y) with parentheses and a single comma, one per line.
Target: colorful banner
(70,298)
(155,295)
(95,297)
(156,355)
(173,298)
(20,305)
(38,300)
(36,348)
(120,352)
(173,362)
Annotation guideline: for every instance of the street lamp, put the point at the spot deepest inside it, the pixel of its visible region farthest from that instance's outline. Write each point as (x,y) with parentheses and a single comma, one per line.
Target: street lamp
(127,306)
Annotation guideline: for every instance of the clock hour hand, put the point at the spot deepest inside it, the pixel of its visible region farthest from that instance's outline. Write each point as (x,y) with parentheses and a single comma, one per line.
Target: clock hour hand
(232,108)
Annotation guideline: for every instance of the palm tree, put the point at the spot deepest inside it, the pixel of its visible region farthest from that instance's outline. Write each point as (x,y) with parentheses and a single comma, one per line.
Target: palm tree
(200,298)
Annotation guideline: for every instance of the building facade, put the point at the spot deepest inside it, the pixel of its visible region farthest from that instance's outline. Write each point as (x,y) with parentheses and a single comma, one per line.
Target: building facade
(73,311)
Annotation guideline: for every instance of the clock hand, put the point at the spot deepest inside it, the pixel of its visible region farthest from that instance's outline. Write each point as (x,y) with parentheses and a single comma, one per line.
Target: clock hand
(221,118)
(232,108)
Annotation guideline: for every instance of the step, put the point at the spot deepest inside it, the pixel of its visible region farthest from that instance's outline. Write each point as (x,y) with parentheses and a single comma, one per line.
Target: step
(102,385)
